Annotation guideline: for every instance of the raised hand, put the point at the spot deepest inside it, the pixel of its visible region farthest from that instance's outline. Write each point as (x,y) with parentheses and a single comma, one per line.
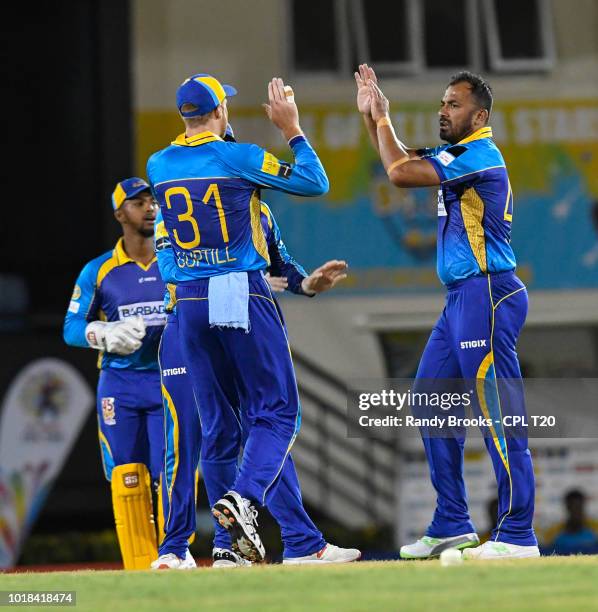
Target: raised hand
(281,109)
(379,103)
(325,277)
(362,79)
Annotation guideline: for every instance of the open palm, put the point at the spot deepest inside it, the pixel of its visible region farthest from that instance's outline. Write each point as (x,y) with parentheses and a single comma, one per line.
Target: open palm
(364,99)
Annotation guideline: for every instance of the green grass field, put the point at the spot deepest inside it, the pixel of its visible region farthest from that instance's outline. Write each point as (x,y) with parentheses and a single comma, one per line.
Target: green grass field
(543,584)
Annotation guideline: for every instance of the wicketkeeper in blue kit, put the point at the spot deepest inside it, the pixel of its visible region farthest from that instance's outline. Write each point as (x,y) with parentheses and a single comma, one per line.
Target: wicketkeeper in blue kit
(232,337)
(486,306)
(117,308)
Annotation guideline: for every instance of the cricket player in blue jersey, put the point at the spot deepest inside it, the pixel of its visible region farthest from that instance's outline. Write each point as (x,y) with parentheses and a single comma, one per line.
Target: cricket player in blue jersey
(220,447)
(486,305)
(117,308)
(219,394)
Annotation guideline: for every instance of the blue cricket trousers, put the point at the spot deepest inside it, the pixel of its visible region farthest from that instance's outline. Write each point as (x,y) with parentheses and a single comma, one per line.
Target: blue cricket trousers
(475,338)
(130,420)
(224,428)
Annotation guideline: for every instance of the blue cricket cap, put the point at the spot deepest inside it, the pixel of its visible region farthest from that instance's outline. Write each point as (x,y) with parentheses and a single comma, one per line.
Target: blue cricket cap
(126,189)
(204,91)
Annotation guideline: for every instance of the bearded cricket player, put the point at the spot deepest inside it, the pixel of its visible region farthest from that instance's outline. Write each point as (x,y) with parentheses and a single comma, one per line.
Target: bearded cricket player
(117,308)
(486,305)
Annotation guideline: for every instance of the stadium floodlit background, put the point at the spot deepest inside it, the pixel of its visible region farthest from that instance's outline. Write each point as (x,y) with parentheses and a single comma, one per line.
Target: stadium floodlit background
(91,95)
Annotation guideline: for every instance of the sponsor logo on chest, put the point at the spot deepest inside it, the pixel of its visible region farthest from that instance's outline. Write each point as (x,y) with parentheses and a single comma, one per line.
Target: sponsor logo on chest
(153,313)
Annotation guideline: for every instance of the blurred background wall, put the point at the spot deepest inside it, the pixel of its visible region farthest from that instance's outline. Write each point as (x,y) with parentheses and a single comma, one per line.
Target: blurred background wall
(92,86)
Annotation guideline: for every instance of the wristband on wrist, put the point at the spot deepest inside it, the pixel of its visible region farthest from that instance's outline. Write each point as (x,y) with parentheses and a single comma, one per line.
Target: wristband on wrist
(396,163)
(384,121)
(298,133)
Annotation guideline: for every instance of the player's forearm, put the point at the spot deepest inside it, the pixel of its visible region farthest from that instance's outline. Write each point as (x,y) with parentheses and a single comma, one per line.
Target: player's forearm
(282,264)
(74,332)
(308,177)
(370,126)
(392,151)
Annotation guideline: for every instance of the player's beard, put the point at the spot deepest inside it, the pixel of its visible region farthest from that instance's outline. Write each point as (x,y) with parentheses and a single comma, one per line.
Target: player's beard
(453,134)
(146,233)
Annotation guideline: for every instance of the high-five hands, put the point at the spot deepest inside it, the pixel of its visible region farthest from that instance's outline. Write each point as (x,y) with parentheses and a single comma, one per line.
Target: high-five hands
(370,99)
(281,108)
(362,79)
(325,277)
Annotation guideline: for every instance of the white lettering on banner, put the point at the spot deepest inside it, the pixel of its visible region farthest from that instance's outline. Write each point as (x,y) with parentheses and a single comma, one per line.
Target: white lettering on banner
(555,125)
(342,130)
(153,313)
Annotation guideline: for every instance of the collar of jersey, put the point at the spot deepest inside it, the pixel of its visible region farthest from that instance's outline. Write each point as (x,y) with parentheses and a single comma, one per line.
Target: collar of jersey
(195,141)
(485,132)
(122,258)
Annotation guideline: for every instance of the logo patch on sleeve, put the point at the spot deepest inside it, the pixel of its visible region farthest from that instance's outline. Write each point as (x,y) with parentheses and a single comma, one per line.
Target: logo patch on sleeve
(74,307)
(162,243)
(270,164)
(445,158)
(285,170)
(76,293)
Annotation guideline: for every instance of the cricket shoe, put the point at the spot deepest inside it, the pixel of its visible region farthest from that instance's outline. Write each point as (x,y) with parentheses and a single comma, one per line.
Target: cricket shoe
(501,550)
(222,557)
(238,516)
(427,547)
(171,561)
(329,554)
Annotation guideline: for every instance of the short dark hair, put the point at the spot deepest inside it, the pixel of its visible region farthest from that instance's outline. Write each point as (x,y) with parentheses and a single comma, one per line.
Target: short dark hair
(480,89)
(574,495)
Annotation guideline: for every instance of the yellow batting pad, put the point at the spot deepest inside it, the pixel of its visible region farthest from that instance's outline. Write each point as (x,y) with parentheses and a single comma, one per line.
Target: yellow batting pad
(133,515)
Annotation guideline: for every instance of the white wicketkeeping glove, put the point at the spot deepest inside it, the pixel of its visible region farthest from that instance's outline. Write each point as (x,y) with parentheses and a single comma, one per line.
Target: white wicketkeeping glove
(120,337)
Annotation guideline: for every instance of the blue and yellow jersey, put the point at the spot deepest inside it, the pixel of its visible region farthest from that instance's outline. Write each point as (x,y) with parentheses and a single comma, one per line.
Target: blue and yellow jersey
(112,287)
(475,208)
(209,196)
(281,262)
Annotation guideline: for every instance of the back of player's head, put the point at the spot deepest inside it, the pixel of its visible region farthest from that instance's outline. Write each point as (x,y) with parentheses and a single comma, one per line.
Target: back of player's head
(200,94)
(480,89)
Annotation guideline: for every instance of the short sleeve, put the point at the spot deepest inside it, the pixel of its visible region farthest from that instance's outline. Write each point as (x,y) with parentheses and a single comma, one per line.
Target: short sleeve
(457,164)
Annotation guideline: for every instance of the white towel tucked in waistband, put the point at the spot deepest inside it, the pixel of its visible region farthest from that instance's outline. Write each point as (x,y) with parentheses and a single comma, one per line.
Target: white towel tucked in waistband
(228,300)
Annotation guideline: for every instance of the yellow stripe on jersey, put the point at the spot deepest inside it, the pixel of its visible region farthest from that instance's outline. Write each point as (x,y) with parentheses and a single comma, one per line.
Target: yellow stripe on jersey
(266,211)
(485,132)
(194,141)
(257,232)
(472,211)
(160,231)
